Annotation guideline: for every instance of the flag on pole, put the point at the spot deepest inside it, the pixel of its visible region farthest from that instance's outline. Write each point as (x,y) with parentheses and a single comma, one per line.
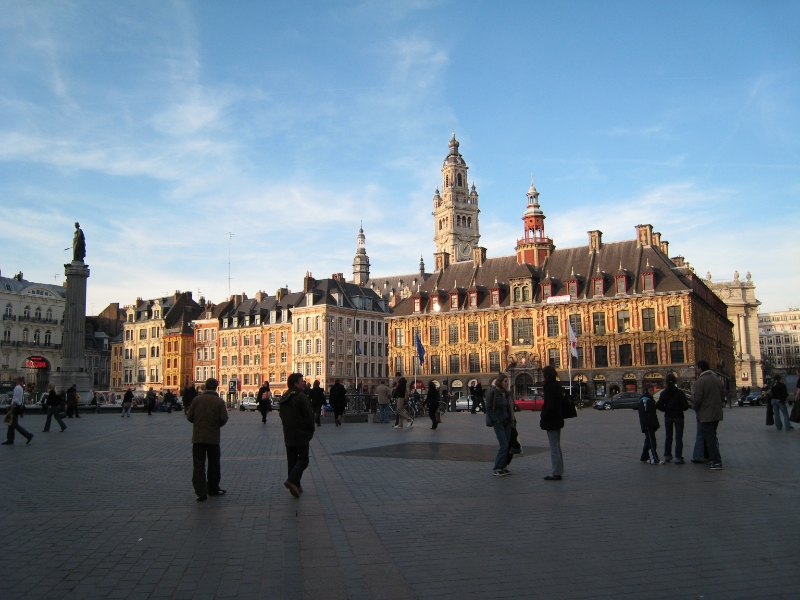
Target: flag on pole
(420,349)
(573,341)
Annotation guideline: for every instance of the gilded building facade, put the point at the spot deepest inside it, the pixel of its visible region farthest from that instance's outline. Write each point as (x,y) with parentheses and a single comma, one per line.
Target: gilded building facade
(636,314)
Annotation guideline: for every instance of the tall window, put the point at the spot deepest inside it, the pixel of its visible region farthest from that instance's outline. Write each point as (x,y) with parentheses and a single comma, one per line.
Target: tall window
(398,364)
(623,321)
(676,353)
(599,323)
(573,289)
(522,332)
(554,358)
(452,334)
(620,285)
(283,337)
(651,354)
(455,363)
(436,365)
(648,319)
(398,337)
(526,294)
(600,356)
(474,363)
(299,346)
(552,326)
(494,361)
(598,287)
(308,346)
(472,332)
(47,338)
(494,331)
(495,297)
(283,358)
(649,282)
(318,345)
(38,313)
(625,355)
(575,323)
(674,317)
(577,361)
(434,331)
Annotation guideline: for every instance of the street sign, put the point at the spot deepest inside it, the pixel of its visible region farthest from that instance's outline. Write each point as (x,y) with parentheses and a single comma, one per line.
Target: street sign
(232,385)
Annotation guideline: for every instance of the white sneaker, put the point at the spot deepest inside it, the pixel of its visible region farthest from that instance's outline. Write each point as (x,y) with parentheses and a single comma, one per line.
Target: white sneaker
(396,427)
(411,422)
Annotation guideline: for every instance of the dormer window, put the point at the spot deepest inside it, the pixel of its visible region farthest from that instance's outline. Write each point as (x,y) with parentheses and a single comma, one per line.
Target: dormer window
(648,282)
(257,319)
(599,288)
(417,303)
(517,295)
(495,297)
(473,299)
(547,290)
(620,283)
(454,301)
(526,293)
(573,288)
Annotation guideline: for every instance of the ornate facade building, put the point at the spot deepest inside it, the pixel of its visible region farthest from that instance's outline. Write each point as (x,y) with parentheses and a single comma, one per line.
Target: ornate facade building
(740,298)
(179,346)
(33,325)
(637,314)
(143,339)
(206,329)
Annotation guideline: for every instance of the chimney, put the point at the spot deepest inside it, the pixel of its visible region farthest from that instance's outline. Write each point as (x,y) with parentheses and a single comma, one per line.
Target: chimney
(678,261)
(18,276)
(595,240)
(657,239)
(442,260)
(479,255)
(665,247)
(308,282)
(644,235)
(259,296)
(338,277)
(202,301)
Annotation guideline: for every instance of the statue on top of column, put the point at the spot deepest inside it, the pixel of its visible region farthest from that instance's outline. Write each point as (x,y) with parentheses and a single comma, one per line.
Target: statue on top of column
(78,244)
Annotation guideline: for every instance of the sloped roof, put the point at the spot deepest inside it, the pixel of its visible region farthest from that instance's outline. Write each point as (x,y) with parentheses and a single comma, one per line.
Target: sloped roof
(16,285)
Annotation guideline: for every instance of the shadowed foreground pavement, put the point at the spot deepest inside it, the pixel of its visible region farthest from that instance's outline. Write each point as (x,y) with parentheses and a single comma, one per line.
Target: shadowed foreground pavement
(106,510)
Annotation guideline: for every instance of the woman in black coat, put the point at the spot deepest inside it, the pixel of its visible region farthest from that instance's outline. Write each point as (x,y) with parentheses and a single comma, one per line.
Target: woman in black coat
(317,397)
(433,403)
(552,420)
(338,400)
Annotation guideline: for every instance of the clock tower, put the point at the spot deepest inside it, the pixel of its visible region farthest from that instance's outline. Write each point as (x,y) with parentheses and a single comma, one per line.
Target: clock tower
(455,211)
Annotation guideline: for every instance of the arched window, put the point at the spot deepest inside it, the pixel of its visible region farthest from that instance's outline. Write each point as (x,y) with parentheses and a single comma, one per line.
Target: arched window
(9,310)
(299,346)
(459,180)
(446,180)
(517,295)
(469,222)
(25,336)
(38,313)
(526,294)
(49,314)
(458,220)
(37,337)
(6,336)
(27,312)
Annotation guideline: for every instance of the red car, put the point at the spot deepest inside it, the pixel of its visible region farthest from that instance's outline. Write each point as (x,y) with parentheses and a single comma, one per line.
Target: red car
(530,403)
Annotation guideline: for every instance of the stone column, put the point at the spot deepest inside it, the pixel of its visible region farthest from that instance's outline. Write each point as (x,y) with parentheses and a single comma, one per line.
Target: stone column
(73,342)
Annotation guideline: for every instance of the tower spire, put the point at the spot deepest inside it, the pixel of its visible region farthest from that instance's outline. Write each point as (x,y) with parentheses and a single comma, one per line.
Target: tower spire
(361,260)
(535,246)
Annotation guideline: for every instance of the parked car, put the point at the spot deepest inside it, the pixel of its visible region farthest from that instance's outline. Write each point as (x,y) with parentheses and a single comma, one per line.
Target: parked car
(248,404)
(621,400)
(465,403)
(753,399)
(529,403)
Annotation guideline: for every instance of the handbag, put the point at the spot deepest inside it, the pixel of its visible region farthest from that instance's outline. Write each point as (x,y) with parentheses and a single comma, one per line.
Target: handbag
(9,420)
(438,416)
(514,445)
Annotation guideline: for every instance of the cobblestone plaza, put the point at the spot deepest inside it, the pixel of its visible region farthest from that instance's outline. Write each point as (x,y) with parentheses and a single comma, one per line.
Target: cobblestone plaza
(106,510)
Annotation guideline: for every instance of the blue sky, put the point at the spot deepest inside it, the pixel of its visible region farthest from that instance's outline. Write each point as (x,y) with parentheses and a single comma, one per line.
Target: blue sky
(161,126)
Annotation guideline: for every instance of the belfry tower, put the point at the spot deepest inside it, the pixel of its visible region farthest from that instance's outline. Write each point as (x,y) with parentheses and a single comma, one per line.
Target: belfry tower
(455,212)
(535,246)
(361,261)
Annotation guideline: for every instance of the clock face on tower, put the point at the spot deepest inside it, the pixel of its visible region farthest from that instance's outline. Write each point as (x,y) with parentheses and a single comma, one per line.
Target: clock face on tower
(464,251)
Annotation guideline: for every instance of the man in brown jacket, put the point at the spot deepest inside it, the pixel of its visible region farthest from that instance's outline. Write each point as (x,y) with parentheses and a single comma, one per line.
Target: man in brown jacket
(207,413)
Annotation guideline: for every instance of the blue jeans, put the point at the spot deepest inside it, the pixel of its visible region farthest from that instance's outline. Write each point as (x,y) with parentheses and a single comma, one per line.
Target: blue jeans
(383,413)
(700,452)
(677,424)
(53,412)
(779,407)
(503,432)
(709,434)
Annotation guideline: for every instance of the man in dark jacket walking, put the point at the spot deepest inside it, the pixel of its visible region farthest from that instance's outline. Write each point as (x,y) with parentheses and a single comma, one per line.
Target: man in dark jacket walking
(673,404)
(150,400)
(53,404)
(317,397)
(779,393)
(298,429)
(338,399)
(264,401)
(648,420)
(189,394)
(207,415)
